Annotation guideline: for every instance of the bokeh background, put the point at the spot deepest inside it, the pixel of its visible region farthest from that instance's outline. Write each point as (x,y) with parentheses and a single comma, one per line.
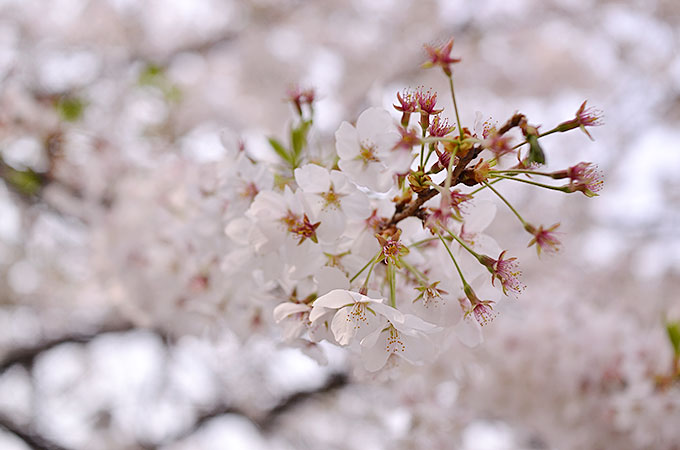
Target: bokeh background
(112,113)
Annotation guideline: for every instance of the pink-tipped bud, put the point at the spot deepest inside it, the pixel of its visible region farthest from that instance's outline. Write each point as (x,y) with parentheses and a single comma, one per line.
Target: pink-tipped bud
(482,310)
(299,97)
(427,101)
(506,271)
(408,104)
(440,56)
(440,127)
(585,177)
(545,239)
(585,117)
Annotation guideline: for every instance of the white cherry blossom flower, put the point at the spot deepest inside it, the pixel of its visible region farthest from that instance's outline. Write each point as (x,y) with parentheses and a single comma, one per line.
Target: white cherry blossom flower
(294,318)
(332,197)
(367,152)
(282,216)
(437,302)
(405,335)
(356,314)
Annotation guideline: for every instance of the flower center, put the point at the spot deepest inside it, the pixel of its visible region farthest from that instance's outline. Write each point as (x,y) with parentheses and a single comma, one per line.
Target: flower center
(331,199)
(367,153)
(394,342)
(302,229)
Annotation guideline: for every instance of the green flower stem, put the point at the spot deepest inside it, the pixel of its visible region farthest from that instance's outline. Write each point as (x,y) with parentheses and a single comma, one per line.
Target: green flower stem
(422,149)
(534,183)
(421,276)
(449,169)
(392,279)
(554,130)
(520,172)
(370,270)
(506,202)
(423,241)
(484,187)
(455,107)
(371,261)
(429,153)
(464,245)
(433,139)
(455,263)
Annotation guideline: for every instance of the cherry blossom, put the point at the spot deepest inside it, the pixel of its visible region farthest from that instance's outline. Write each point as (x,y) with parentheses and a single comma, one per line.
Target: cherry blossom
(332,198)
(404,335)
(356,315)
(367,152)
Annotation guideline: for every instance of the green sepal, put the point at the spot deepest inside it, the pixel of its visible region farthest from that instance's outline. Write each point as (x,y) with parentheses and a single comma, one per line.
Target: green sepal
(70,108)
(280,150)
(673,330)
(298,139)
(535,151)
(26,182)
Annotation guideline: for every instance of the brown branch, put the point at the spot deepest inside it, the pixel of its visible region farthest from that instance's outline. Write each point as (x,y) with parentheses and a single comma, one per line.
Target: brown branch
(413,208)
(30,437)
(26,355)
(265,422)
(333,382)
(513,122)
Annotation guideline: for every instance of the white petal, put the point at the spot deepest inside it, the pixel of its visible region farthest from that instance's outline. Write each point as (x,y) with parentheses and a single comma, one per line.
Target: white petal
(480,216)
(239,230)
(374,352)
(347,141)
(332,226)
(354,322)
(392,314)
(284,310)
(293,329)
(413,323)
(333,300)
(343,326)
(487,245)
(356,206)
(469,332)
(372,122)
(313,178)
(415,348)
(398,160)
(328,278)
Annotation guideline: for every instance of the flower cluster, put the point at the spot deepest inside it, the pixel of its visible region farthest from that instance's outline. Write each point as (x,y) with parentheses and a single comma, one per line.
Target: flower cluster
(383,249)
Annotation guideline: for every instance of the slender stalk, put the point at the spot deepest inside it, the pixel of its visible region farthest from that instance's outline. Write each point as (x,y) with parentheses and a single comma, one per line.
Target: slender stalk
(484,187)
(371,261)
(422,151)
(370,270)
(464,245)
(420,275)
(422,241)
(507,203)
(520,172)
(554,130)
(455,263)
(455,108)
(449,169)
(534,183)
(429,153)
(391,278)
(434,139)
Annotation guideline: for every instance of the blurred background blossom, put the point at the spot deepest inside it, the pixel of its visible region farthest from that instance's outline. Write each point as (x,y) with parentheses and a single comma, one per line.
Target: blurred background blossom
(116,115)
